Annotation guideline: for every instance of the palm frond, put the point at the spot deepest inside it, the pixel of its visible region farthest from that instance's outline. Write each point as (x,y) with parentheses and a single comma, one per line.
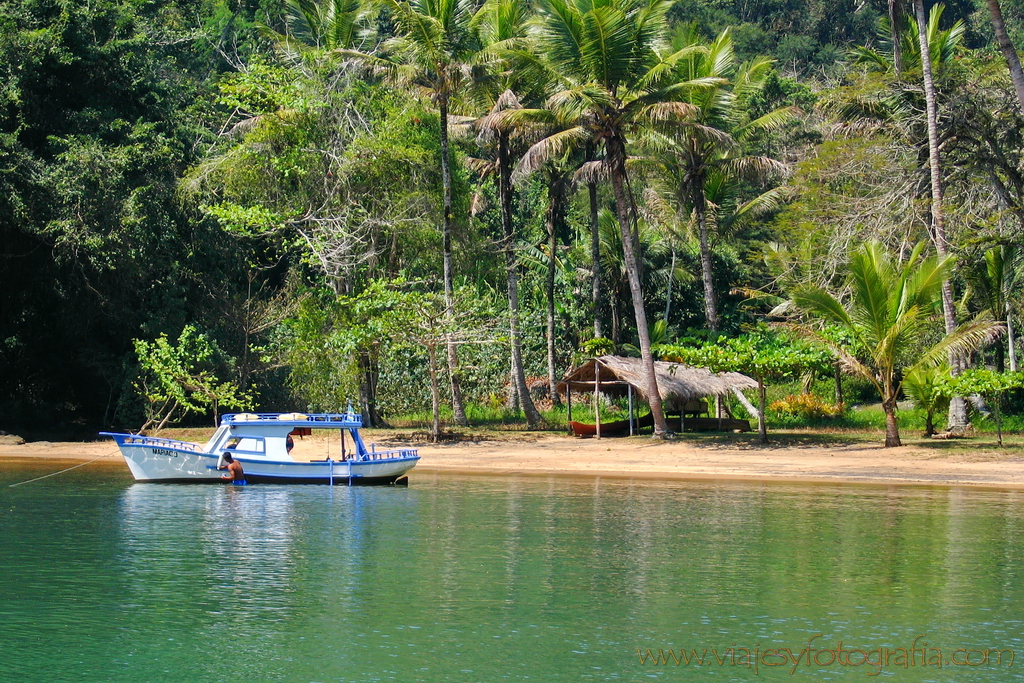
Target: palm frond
(547,149)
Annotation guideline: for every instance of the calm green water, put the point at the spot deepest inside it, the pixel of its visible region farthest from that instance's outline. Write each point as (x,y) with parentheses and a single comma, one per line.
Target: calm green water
(472,579)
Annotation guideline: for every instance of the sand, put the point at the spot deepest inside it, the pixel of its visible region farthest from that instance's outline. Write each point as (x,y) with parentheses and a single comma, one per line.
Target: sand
(546,454)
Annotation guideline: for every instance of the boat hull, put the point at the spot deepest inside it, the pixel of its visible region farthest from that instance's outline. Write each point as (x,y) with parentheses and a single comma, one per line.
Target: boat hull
(153,464)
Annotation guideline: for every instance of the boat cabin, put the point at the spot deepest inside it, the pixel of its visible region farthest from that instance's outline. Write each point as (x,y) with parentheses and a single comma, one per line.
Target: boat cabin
(268,435)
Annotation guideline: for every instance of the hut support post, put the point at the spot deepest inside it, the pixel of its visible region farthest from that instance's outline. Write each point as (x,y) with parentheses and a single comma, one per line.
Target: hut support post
(597,399)
(629,389)
(568,401)
(718,410)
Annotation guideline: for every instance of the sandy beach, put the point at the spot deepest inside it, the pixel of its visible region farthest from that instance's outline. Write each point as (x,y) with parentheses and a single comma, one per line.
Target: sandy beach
(544,454)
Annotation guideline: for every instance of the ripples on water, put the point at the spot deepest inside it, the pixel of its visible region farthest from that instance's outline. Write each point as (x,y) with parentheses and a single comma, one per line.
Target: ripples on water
(474,579)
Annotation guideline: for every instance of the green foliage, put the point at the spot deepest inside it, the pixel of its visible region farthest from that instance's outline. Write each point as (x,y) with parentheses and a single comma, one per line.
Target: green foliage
(763,353)
(179,378)
(980,381)
(599,346)
(150,182)
(925,385)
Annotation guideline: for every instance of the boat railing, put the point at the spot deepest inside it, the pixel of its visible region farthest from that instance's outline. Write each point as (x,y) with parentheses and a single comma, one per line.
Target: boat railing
(312,419)
(374,454)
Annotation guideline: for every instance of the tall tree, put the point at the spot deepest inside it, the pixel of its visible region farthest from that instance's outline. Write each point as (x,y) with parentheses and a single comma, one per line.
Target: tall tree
(434,47)
(617,77)
(502,29)
(558,178)
(1008,50)
(705,147)
(500,132)
(957,406)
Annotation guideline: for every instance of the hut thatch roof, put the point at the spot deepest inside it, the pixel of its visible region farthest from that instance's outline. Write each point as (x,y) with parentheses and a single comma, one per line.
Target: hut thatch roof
(677,383)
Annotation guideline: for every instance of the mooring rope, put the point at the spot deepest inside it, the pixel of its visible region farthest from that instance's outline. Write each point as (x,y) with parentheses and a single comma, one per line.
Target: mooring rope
(54,474)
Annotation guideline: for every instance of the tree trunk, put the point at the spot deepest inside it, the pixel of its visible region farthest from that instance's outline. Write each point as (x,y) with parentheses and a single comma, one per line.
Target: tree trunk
(512,280)
(435,395)
(1006,45)
(1010,341)
(839,385)
(595,257)
(668,287)
(616,316)
(762,423)
(957,420)
(458,407)
(747,405)
(616,156)
(706,268)
(554,206)
(512,394)
(894,34)
(999,419)
(368,374)
(892,430)
(929,423)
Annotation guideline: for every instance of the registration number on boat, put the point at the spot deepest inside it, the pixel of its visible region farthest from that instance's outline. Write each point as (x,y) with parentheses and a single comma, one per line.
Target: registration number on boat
(164,451)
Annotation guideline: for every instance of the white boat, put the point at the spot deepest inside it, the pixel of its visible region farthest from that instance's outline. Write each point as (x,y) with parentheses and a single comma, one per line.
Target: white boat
(260,442)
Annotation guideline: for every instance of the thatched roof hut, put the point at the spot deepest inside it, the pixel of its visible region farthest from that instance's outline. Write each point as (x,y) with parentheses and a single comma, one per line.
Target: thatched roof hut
(678,384)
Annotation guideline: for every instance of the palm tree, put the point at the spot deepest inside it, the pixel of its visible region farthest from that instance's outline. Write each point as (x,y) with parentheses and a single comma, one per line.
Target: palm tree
(943,44)
(702,151)
(558,178)
(501,132)
(616,77)
(992,279)
(887,316)
(656,245)
(433,49)
(957,405)
(932,49)
(1008,50)
(321,25)
(501,27)
(924,386)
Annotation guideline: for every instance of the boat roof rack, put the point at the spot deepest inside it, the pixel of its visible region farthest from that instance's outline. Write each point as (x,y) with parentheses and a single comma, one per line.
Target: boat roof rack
(300,419)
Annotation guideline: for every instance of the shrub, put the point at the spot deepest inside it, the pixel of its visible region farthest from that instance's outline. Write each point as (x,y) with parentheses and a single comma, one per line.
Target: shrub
(806,406)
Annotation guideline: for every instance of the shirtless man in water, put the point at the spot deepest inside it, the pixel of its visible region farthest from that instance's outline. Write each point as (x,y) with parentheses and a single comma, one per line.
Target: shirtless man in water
(235,474)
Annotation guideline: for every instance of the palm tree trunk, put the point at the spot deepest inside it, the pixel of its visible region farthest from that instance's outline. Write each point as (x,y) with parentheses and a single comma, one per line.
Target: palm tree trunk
(957,406)
(892,430)
(1010,341)
(435,395)
(894,33)
(554,201)
(512,280)
(595,257)
(616,157)
(762,423)
(1006,46)
(458,407)
(616,316)
(839,385)
(668,286)
(706,268)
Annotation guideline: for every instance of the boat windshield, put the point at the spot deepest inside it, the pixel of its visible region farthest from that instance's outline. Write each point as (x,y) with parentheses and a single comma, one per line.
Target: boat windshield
(214,439)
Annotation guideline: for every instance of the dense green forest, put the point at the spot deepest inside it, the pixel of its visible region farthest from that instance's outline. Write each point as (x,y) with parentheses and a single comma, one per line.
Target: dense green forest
(221,205)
